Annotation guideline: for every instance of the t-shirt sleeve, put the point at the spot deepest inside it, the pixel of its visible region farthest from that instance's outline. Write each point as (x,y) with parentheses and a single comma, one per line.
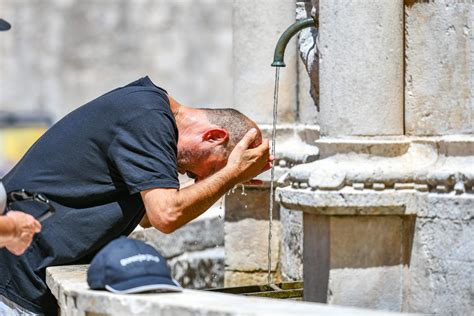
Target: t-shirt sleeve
(144,152)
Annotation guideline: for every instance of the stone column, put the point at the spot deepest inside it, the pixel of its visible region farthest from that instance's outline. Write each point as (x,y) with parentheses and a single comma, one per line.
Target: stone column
(399,208)
(361,67)
(438,68)
(257,26)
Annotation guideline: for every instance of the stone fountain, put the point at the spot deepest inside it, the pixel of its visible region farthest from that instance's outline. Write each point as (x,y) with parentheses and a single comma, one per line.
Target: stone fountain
(388,206)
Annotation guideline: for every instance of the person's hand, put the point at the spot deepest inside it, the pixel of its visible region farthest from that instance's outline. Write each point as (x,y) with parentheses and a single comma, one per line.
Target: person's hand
(25,226)
(245,163)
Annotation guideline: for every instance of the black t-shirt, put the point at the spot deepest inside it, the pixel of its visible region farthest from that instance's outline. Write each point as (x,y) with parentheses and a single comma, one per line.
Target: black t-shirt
(92,165)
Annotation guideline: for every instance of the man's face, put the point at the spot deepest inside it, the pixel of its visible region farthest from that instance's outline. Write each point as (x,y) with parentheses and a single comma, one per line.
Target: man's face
(200,164)
(202,154)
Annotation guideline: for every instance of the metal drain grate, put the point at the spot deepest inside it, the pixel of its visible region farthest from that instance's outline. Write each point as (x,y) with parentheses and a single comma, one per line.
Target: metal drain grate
(284,290)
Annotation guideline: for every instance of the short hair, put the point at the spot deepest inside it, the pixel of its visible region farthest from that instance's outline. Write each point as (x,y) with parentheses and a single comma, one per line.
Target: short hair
(236,123)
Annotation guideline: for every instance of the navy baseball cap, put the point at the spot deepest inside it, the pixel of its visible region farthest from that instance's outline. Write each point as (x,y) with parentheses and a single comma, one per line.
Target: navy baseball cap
(130,266)
(4,25)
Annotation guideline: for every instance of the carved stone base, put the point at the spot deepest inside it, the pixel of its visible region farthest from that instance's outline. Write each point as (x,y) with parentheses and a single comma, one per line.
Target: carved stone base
(388,223)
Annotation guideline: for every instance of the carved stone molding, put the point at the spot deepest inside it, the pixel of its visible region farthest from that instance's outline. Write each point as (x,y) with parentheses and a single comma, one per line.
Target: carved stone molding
(295,145)
(429,164)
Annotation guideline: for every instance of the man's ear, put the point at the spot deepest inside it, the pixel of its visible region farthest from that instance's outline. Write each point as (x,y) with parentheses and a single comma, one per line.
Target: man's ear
(216,135)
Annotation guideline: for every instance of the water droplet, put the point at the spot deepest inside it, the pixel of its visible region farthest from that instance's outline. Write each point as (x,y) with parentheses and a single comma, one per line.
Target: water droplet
(221,204)
(243,190)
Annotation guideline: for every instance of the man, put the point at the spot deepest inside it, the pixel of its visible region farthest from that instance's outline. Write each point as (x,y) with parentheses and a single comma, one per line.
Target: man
(111,162)
(16,228)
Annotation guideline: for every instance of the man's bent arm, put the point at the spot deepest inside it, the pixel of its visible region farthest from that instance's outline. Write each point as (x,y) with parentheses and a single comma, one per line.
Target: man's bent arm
(169,209)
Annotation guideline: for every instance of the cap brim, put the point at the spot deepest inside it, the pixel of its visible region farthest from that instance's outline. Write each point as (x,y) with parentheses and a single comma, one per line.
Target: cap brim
(145,284)
(4,25)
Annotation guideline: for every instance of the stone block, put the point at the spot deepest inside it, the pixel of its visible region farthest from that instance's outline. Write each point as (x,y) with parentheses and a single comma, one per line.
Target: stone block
(361,67)
(439,279)
(292,244)
(195,236)
(239,278)
(377,287)
(446,206)
(200,269)
(71,287)
(438,92)
(248,202)
(369,241)
(257,25)
(246,244)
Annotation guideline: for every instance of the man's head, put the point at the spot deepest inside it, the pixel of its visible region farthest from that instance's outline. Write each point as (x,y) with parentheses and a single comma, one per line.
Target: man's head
(207,137)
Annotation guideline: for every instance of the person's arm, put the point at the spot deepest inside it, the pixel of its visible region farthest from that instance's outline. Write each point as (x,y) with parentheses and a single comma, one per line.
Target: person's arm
(169,209)
(7,230)
(17,230)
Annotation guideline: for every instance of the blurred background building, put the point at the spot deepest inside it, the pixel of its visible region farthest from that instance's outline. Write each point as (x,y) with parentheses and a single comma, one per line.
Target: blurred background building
(60,54)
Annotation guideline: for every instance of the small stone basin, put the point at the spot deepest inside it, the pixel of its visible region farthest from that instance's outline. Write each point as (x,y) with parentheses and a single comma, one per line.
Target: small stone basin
(284,290)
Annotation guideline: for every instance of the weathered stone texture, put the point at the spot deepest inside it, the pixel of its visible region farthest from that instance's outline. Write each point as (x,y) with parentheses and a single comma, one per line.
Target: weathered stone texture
(367,241)
(248,202)
(195,252)
(292,245)
(249,240)
(199,269)
(257,26)
(246,235)
(239,278)
(360,49)
(68,284)
(377,287)
(433,164)
(195,236)
(308,70)
(65,53)
(438,93)
(439,280)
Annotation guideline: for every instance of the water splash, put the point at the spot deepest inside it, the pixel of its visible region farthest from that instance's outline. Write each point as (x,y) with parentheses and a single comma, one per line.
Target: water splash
(243,190)
(272,174)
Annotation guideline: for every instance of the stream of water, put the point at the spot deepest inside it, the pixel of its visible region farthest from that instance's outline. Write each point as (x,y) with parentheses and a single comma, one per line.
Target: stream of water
(272,174)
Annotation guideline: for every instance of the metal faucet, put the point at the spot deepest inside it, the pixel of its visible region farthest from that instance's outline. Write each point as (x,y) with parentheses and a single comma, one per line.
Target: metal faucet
(287,35)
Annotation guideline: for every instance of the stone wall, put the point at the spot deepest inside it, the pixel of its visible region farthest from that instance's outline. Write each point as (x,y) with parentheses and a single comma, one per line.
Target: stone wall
(257,26)
(60,54)
(195,252)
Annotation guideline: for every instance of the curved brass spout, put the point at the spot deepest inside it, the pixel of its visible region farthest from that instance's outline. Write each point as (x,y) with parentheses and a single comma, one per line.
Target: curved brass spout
(286,36)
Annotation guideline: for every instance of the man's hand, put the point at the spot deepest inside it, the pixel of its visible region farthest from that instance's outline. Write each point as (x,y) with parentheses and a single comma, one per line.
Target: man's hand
(24,226)
(245,163)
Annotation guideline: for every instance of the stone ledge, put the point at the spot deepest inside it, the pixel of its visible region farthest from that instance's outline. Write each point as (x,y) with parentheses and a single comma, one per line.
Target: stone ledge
(349,201)
(68,284)
(295,143)
(435,164)
(195,236)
